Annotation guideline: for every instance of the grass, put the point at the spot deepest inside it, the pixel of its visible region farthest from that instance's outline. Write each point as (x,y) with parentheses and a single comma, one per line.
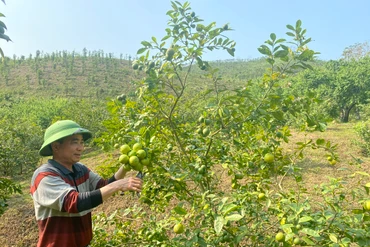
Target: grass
(19,222)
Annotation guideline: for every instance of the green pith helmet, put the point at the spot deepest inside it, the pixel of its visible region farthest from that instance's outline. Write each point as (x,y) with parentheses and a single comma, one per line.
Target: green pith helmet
(57,131)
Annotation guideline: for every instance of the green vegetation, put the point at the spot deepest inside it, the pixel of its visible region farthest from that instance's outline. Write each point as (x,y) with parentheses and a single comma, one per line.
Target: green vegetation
(227,146)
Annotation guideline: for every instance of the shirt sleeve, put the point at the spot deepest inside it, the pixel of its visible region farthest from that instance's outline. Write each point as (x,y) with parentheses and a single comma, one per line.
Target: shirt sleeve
(97,182)
(51,192)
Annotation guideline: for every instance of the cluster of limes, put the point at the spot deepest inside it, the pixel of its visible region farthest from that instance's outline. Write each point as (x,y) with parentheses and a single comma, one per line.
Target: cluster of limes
(204,129)
(332,160)
(134,157)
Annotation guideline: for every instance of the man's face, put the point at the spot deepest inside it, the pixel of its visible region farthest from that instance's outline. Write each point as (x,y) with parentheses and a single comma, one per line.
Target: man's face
(69,151)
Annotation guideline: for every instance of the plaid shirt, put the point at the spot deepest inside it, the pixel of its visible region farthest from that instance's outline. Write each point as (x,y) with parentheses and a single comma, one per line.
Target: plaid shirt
(63,201)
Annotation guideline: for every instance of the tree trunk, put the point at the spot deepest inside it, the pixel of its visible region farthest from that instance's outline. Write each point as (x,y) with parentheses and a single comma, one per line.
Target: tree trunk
(345,113)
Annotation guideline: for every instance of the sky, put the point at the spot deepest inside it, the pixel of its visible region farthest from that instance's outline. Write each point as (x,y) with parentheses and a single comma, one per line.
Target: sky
(119,26)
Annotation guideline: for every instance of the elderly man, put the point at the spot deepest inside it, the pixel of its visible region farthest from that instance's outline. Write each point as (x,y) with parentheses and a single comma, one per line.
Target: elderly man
(64,191)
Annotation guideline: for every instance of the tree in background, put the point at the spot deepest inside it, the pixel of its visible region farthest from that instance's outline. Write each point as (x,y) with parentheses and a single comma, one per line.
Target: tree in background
(343,85)
(356,51)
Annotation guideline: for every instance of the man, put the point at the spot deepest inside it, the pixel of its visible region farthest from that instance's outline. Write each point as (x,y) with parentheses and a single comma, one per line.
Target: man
(64,191)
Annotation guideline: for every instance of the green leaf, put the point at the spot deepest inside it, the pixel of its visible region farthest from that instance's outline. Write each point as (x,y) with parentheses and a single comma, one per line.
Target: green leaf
(320,142)
(233,217)
(281,53)
(298,24)
(166,37)
(229,208)
(146,44)
(230,51)
(273,36)
(290,27)
(264,50)
(2,24)
(310,232)
(180,210)
(219,224)
(333,238)
(278,115)
(6,37)
(305,219)
(290,34)
(306,41)
(280,41)
(308,241)
(154,39)
(141,50)
(270,61)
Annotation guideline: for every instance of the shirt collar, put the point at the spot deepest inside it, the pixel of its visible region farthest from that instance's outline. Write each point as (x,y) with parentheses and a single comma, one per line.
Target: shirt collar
(63,168)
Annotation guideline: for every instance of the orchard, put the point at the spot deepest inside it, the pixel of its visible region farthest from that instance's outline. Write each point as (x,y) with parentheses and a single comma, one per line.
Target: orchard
(232,137)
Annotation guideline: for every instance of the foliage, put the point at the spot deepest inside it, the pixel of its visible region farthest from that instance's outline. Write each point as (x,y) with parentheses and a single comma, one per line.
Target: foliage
(7,188)
(342,84)
(19,146)
(363,130)
(194,146)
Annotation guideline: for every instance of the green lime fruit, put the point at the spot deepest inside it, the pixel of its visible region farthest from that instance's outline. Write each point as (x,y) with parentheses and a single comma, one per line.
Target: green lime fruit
(280,237)
(141,154)
(123,158)
(261,196)
(269,158)
(206,132)
(367,205)
(127,167)
(134,161)
(297,241)
(145,162)
(135,66)
(333,162)
(179,228)
(137,146)
(169,54)
(151,64)
(125,149)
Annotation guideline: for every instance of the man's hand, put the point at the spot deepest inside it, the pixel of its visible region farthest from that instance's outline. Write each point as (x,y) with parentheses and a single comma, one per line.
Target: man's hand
(124,184)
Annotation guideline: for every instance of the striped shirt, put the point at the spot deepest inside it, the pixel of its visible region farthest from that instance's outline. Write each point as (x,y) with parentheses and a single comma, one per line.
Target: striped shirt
(63,201)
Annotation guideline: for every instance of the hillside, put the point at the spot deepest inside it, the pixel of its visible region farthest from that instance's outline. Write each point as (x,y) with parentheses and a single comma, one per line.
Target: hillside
(90,74)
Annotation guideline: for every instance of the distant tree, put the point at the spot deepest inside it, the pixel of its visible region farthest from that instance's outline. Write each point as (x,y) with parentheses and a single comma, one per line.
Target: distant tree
(343,84)
(356,51)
